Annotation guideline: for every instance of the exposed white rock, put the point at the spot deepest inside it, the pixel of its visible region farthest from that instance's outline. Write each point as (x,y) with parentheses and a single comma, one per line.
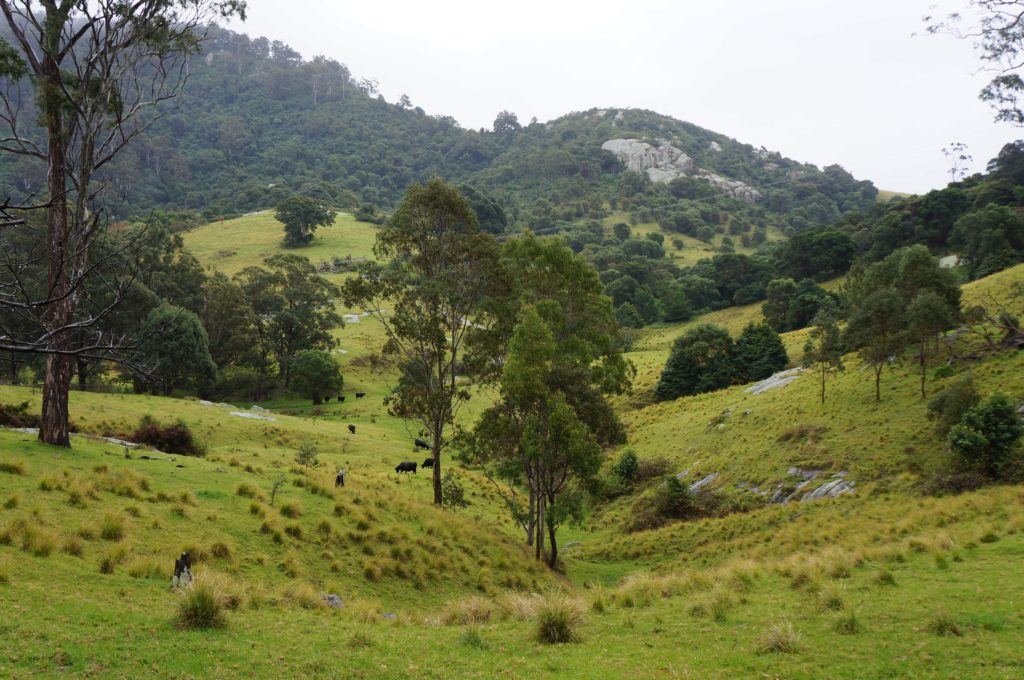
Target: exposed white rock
(664,163)
(833,489)
(776,380)
(698,485)
(949,261)
(352,318)
(714,146)
(252,416)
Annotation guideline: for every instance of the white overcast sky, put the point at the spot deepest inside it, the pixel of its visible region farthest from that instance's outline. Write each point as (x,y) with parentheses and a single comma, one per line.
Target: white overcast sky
(822,81)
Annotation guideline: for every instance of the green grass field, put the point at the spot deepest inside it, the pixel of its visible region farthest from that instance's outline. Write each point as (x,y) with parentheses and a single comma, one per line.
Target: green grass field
(883,582)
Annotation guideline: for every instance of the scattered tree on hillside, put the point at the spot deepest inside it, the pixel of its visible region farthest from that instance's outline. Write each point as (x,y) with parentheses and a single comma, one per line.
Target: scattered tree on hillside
(927,316)
(229,321)
(99,72)
(175,350)
(300,216)
(307,454)
(435,268)
(700,361)
(875,327)
(758,353)
(947,408)
(316,374)
(823,351)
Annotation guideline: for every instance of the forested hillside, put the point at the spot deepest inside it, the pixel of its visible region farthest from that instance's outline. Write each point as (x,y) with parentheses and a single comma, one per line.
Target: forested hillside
(258,121)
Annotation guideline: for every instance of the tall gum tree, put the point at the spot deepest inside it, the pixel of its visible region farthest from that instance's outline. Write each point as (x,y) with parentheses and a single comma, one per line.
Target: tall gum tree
(99,73)
(435,268)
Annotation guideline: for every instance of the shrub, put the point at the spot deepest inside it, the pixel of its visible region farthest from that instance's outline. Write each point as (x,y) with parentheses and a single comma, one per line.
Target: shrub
(758,353)
(559,620)
(651,468)
(948,406)
(700,361)
(200,606)
(780,638)
(673,499)
(453,495)
(627,466)
(177,438)
(986,436)
(18,416)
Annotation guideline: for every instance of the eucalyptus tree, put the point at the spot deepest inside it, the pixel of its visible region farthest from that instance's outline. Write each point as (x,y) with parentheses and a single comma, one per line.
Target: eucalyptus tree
(434,271)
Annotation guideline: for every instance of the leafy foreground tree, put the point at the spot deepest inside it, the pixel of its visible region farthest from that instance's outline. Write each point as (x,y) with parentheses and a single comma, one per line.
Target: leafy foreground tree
(823,351)
(99,73)
(987,436)
(316,374)
(547,431)
(301,216)
(434,269)
(758,353)
(701,361)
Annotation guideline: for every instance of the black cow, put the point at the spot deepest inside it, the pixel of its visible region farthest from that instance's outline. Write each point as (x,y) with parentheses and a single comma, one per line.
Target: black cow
(341,397)
(327,398)
(360,395)
(428,463)
(420,444)
(406,466)
(352,429)
(339,480)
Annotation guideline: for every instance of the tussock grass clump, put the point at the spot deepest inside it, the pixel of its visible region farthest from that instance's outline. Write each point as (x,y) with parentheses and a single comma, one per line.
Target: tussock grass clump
(848,623)
(113,557)
(559,620)
(291,510)
(5,572)
(12,502)
(780,638)
(640,591)
(294,530)
(830,599)
(360,640)
(290,565)
(472,637)
(200,606)
(30,536)
(74,546)
(473,609)
(944,625)
(221,550)
(885,578)
(13,467)
(246,490)
(112,527)
(715,605)
(304,595)
(517,606)
(257,509)
(146,567)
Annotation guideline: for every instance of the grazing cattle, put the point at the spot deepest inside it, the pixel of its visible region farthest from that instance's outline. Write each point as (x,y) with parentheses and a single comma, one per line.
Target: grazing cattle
(339,479)
(360,395)
(352,429)
(428,463)
(341,397)
(420,444)
(327,398)
(406,466)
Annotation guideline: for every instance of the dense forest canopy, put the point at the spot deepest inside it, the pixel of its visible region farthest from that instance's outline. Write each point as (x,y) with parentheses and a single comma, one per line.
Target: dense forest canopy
(257,121)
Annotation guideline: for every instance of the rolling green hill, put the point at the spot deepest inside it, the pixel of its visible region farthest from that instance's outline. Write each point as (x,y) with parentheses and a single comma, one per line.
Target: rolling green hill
(883,581)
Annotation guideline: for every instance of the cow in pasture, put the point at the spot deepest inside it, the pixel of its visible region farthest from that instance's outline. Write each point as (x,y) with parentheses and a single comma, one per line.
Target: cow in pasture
(406,466)
(420,444)
(339,479)
(360,395)
(327,399)
(341,397)
(352,429)
(428,463)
